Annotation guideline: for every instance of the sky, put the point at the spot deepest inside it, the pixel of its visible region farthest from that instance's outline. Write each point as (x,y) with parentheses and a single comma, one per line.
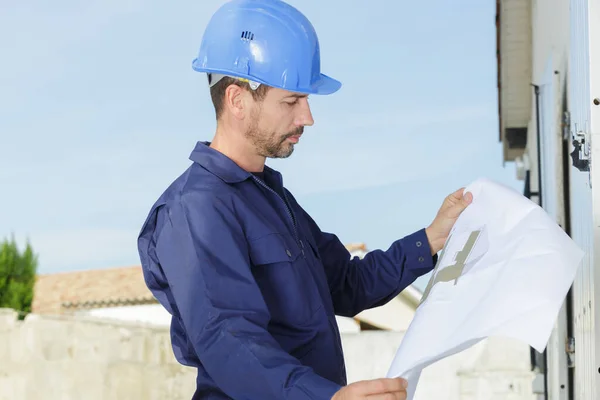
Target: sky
(100,109)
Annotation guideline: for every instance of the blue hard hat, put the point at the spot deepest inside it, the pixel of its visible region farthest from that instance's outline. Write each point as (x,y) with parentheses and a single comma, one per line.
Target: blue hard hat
(264,41)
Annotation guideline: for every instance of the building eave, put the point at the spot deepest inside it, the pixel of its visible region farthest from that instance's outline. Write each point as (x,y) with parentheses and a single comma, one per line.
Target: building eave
(514,71)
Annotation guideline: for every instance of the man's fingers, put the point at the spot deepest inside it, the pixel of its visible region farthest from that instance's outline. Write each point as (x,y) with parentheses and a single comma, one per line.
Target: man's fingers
(384,385)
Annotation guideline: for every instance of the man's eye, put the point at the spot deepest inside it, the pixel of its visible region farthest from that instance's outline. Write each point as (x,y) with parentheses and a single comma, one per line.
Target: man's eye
(291,103)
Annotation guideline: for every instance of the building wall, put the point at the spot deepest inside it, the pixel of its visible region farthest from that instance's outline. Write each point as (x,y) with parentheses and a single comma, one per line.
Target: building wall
(70,359)
(584,88)
(550,45)
(77,357)
(550,51)
(550,35)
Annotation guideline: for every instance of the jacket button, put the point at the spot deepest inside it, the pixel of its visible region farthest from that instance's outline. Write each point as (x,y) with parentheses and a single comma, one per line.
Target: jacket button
(421,259)
(419,244)
(289,253)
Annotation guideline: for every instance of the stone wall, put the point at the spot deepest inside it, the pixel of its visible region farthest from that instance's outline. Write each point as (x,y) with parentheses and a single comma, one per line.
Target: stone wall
(65,358)
(75,358)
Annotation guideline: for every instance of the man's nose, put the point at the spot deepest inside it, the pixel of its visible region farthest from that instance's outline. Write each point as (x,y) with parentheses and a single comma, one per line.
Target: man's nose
(305,117)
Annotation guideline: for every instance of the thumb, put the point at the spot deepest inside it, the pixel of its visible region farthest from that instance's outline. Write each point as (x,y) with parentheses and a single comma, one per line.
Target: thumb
(467,199)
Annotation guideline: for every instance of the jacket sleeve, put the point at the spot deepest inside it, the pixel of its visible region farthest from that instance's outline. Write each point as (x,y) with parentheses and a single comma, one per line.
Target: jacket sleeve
(203,253)
(359,284)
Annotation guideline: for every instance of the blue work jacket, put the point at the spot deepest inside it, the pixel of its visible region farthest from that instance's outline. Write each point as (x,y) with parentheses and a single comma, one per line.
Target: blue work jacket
(253,285)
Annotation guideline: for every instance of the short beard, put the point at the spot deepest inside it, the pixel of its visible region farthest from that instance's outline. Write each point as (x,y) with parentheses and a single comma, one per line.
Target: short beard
(269,145)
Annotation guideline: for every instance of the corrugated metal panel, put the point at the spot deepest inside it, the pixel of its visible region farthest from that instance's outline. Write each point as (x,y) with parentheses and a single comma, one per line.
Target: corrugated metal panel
(552,201)
(550,144)
(585,219)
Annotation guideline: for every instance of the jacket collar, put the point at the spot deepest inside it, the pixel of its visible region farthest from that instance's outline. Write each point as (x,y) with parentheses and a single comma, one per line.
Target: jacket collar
(222,166)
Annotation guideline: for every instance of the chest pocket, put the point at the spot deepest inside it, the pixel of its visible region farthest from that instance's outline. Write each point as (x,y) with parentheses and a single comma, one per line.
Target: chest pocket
(285,279)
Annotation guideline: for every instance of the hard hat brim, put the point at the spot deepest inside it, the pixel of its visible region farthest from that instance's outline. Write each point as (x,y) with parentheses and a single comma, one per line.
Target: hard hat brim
(324,85)
(327,85)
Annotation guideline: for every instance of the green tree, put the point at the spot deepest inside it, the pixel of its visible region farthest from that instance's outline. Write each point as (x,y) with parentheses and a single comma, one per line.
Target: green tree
(17,276)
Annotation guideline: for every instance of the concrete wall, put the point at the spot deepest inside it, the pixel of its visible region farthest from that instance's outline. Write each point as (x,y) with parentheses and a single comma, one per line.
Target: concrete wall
(69,358)
(494,369)
(76,357)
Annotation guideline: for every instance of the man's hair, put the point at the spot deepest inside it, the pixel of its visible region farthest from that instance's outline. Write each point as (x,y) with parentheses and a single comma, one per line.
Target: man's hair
(217,92)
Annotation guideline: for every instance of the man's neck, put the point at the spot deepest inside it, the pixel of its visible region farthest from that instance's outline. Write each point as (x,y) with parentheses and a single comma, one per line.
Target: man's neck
(240,152)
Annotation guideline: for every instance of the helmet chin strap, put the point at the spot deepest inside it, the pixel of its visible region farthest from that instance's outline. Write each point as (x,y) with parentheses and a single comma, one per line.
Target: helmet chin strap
(213,79)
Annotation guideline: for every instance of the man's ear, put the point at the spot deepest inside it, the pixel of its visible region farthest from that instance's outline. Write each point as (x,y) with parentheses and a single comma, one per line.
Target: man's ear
(235,100)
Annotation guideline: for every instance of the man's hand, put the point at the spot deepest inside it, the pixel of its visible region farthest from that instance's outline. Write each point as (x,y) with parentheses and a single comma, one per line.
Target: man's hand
(377,389)
(453,206)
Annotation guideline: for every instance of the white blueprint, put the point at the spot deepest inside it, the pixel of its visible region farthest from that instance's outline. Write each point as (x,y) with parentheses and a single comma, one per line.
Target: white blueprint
(505,271)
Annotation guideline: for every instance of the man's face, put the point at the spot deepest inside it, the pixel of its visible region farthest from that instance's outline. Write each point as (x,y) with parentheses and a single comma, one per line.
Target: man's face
(277,121)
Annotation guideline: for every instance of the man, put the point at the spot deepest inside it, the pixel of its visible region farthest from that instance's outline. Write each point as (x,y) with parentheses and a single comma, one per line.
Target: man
(252,283)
